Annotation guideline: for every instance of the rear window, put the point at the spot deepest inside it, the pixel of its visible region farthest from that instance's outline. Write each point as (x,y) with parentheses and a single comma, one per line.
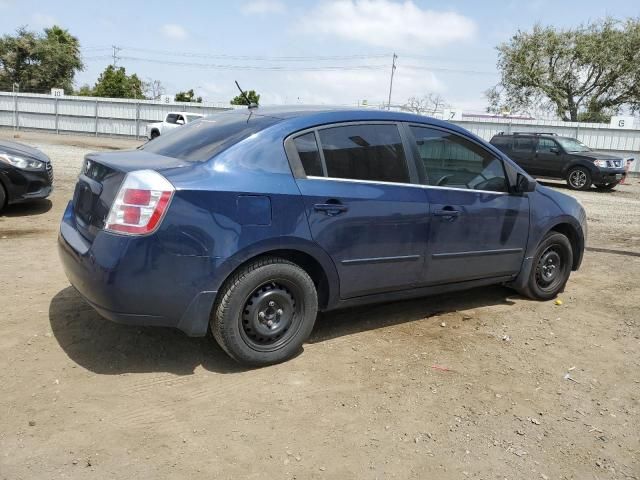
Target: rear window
(202,140)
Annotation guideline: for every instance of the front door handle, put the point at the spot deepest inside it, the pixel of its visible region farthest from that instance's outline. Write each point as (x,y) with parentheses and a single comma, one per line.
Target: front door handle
(448,213)
(331,209)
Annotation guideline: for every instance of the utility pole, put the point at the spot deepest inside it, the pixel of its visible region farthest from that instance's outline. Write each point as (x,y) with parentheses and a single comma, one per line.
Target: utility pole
(115,55)
(393,69)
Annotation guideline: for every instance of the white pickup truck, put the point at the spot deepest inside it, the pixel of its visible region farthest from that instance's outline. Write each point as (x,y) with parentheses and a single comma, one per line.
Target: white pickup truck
(171,121)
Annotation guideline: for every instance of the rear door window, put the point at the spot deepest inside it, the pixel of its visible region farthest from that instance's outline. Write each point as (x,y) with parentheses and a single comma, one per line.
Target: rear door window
(172,118)
(523,144)
(309,154)
(364,152)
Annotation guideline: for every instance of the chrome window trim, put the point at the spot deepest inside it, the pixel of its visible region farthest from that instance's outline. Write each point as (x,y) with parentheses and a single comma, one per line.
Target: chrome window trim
(374,182)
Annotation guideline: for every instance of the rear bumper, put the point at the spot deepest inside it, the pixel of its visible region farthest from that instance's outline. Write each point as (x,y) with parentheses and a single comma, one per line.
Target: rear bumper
(132,281)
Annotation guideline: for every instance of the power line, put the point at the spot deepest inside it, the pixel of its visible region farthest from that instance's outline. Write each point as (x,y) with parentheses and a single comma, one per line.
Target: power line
(449,70)
(284,58)
(283,68)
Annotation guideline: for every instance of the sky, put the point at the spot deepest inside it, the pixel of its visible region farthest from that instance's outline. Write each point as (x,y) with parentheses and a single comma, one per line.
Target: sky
(307,51)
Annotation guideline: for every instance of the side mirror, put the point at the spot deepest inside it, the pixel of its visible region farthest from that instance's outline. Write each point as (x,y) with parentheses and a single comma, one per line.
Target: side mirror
(179,122)
(555,150)
(525,184)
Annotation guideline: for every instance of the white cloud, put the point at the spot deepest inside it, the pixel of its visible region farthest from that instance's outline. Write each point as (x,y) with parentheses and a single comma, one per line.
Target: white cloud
(262,6)
(43,20)
(350,87)
(385,23)
(174,31)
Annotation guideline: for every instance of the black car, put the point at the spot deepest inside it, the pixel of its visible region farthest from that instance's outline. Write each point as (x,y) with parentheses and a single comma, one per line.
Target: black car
(25,173)
(552,156)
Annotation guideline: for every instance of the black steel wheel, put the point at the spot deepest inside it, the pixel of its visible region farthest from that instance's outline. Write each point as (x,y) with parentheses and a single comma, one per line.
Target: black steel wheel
(551,267)
(265,312)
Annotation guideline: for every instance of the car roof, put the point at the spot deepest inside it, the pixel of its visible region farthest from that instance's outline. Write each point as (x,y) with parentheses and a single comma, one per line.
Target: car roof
(186,113)
(302,116)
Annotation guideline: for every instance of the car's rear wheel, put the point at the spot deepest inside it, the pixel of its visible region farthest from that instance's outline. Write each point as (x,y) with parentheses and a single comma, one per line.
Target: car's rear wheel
(154,134)
(3,197)
(265,312)
(607,186)
(579,178)
(551,267)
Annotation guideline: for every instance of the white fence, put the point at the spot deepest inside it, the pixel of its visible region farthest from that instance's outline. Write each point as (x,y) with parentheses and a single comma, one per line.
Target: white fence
(111,116)
(89,115)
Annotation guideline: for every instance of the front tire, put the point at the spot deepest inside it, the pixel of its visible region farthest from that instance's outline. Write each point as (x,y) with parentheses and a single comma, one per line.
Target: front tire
(579,178)
(265,312)
(551,267)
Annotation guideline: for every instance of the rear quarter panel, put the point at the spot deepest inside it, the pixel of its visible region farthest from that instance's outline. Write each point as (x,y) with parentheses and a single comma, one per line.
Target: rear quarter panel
(241,204)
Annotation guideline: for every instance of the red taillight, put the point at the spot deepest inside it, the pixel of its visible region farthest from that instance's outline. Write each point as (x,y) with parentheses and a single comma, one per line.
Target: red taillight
(135,196)
(142,201)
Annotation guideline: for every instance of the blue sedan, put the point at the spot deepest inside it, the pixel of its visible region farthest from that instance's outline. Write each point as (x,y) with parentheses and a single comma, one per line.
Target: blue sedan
(252,221)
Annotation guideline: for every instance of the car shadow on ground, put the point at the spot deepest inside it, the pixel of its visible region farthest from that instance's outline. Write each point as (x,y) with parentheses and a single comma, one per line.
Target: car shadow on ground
(109,348)
(563,186)
(35,207)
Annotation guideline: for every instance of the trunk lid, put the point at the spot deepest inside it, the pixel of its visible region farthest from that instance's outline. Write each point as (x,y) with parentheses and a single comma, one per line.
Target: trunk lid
(100,179)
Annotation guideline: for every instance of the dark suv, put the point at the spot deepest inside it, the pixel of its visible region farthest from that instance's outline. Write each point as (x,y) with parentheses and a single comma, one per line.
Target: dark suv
(551,156)
(252,221)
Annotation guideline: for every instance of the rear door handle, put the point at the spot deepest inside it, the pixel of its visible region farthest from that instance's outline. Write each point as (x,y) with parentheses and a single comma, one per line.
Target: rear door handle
(448,213)
(330,209)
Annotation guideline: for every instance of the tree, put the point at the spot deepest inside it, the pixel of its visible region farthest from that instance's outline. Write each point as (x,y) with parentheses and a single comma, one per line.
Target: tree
(187,96)
(115,83)
(425,105)
(240,100)
(39,62)
(84,91)
(153,89)
(587,73)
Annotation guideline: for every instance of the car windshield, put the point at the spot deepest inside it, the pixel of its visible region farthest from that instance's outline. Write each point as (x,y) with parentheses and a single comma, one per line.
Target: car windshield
(573,145)
(191,118)
(202,140)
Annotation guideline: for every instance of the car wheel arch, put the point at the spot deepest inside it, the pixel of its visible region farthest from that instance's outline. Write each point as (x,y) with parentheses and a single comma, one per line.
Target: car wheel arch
(572,232)
(579,163)
(321,270)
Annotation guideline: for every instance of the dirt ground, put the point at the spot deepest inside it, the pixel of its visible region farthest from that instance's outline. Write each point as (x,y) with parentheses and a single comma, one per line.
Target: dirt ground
(484,384)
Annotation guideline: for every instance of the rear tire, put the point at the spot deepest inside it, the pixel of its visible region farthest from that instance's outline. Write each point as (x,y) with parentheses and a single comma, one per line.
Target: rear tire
(579,178)
(154,134)
(551,267)
(265,312)
(607,186)
(3,197)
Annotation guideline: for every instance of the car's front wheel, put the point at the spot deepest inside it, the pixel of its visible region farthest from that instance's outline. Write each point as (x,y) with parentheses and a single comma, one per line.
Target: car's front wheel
(579,178)
(265,311)
(551,267)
